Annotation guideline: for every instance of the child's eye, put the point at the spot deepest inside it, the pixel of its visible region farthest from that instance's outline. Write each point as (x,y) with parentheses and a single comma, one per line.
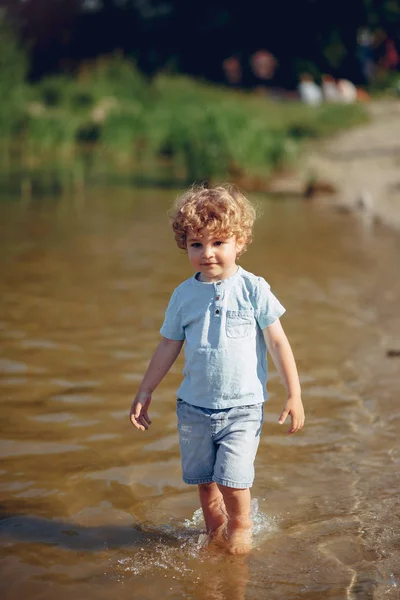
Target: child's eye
(196,245)
(218,243)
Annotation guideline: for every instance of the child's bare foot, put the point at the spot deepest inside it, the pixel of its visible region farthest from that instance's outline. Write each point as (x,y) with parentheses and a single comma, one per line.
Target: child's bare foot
(238,540)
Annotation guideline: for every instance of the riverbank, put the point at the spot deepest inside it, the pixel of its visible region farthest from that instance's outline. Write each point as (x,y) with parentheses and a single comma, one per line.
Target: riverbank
(362,165)
(109,122)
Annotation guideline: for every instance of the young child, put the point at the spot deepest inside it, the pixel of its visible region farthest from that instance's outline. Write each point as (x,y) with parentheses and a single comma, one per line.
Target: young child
(228,318)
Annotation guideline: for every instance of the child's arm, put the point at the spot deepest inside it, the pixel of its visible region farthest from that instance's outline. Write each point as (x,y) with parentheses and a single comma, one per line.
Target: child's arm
(163,358)
(282,355)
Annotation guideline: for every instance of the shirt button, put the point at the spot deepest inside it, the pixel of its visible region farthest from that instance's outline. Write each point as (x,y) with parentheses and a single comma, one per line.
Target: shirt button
(217,297)
(217,312)
(219,282)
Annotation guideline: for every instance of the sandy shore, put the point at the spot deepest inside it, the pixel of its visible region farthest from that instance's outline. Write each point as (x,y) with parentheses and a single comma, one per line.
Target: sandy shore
(363,164)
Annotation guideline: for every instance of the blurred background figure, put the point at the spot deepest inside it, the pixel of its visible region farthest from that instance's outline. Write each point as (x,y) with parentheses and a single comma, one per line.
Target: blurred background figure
(330,89)
(347,91)
(232,71)
(390,60)
(310,93)
(263,66)
(365,43)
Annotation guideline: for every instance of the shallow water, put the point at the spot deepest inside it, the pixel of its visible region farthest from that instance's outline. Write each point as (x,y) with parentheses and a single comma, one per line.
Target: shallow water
(92,508)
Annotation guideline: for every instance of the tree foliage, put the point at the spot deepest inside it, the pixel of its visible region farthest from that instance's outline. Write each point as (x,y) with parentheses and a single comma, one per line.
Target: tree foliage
(195,37)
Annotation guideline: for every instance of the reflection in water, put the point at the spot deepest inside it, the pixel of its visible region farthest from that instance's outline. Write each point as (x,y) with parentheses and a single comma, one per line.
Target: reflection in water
(91,508)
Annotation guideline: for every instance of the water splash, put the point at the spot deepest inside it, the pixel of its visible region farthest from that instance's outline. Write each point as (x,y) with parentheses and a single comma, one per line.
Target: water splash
(393,582)
(171,554)
(177,543)
(262,523)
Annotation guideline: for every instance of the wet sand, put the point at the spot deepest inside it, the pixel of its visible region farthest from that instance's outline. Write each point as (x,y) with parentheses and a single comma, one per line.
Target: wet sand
(363,165)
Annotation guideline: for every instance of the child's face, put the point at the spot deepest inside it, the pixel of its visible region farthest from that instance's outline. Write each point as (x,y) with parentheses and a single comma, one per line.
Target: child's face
(213,256)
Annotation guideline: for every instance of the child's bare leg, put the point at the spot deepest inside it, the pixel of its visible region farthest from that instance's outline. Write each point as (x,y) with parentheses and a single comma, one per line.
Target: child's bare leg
(237,504)
(214,511)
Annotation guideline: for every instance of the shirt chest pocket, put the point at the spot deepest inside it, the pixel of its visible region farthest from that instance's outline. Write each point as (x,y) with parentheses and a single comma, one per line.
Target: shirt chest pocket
(240,324)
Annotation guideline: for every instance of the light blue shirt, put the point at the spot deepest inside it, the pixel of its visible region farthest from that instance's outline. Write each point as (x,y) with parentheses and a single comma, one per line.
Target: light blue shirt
(225,351)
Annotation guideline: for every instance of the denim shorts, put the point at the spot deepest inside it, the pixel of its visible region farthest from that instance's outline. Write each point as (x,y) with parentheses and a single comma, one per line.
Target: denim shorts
(219,445)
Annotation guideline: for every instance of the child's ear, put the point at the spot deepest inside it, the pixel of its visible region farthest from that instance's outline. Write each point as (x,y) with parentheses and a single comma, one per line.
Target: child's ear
(240,244)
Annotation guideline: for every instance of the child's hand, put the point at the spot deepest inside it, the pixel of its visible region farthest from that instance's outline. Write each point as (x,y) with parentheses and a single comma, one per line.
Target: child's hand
(294,408)
(138,414)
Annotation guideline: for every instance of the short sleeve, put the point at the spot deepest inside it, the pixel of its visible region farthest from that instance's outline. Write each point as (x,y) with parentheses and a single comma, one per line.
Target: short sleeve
(172,327)
(268,308)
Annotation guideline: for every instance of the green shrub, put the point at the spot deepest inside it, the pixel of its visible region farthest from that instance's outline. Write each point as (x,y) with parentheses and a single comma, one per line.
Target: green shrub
(115,76)
(62,91)
(52,131)
(124,127)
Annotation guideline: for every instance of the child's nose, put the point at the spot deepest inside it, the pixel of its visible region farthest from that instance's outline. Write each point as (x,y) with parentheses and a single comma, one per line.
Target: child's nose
(208,250)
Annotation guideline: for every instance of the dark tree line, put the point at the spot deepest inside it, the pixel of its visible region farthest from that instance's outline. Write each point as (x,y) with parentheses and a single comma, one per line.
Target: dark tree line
(195,36)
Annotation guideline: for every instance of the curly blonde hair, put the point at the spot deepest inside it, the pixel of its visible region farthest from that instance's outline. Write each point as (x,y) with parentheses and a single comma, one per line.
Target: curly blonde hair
(222,210)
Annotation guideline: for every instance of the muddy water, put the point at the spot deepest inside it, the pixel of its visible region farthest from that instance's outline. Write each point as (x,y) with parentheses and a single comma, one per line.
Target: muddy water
(92,508)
